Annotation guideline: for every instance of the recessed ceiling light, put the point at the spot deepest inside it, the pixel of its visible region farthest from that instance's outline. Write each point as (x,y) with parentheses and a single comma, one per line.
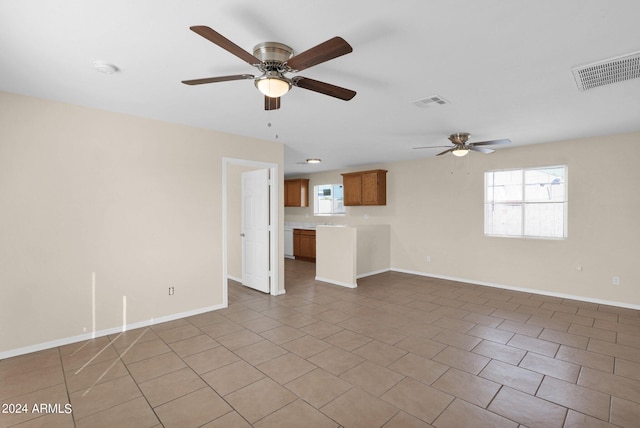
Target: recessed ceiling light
(103,67)
(314,160)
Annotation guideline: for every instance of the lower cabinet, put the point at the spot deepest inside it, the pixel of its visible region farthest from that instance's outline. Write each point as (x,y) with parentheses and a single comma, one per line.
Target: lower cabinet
(304,244)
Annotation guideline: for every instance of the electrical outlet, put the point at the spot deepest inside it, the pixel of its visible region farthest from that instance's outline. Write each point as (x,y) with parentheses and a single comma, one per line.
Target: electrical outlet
(428,259)
(615,280)
(171,291)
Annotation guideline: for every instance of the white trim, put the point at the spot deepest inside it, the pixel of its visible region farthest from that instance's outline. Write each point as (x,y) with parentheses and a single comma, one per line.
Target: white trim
(113,330)
(523,289)
(233,278)
(279,292)
(375,272)
(334,282)
(275,224)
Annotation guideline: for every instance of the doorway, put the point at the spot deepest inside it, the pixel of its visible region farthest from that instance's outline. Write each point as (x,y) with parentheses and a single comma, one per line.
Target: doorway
(232,169)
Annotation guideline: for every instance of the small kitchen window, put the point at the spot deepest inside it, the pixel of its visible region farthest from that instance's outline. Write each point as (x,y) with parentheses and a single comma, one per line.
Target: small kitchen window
(328,199)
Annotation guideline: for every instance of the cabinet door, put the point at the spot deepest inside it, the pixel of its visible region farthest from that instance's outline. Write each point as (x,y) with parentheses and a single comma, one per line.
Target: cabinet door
(352,185)
(296,243)
(296,193)
(292,193)
(306,246)
(374,188)
(369,188)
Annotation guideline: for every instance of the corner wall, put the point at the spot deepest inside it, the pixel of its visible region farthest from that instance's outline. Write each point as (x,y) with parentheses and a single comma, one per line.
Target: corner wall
(135,201)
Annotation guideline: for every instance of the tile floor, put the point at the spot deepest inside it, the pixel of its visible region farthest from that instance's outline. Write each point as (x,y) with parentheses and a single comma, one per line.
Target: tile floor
(399,351)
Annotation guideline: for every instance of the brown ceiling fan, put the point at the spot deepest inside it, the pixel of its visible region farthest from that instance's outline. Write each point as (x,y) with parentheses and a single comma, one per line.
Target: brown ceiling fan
(461,148)
(275,60)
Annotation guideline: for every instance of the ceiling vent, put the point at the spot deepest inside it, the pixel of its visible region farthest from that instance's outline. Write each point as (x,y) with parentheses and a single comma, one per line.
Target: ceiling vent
(431,101)
(609,71)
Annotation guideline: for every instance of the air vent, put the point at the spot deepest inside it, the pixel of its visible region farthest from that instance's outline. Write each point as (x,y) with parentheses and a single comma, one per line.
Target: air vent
(431,101)
(609,71)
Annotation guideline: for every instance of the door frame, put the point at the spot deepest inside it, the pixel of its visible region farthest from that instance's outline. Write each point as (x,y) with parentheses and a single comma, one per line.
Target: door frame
(274,215)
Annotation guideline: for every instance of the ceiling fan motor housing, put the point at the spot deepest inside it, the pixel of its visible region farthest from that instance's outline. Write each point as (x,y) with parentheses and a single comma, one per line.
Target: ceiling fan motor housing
(272,52)
(459,138)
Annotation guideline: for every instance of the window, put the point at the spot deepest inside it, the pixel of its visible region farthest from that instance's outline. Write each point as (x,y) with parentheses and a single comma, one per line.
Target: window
(328,199)
(528,202)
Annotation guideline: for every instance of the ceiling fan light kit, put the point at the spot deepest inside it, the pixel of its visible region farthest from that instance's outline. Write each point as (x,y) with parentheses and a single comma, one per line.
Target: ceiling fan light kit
(273,84)
(460,152)
(275,60)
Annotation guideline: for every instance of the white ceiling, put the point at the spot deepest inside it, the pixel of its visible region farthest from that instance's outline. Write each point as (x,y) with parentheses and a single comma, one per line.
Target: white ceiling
(503,65)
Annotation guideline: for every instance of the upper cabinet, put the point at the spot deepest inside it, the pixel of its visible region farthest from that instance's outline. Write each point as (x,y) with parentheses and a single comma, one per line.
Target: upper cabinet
(365,187)
(296,192)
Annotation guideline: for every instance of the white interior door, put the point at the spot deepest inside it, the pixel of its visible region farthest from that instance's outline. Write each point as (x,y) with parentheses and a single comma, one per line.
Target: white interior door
(255,229)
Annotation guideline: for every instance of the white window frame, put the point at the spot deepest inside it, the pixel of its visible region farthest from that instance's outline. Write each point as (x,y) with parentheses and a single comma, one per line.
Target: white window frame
(316,201)
(523,204)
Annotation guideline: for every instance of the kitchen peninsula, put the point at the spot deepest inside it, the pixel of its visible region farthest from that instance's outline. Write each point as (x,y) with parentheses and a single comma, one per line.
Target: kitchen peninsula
(346,253)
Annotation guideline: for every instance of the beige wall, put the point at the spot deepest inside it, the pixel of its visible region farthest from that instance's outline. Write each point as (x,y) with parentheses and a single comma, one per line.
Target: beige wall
(136,201)
(435,208)
(374,249)
(336,255)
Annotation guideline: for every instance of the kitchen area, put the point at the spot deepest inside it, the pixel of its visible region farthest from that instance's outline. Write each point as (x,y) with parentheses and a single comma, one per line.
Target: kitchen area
(342,252)
(300,241)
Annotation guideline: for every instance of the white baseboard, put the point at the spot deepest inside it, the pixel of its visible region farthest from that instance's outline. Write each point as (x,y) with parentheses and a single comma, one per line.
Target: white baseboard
(375,272)
(523,289)
(340,283)
(233,278)
(105,332)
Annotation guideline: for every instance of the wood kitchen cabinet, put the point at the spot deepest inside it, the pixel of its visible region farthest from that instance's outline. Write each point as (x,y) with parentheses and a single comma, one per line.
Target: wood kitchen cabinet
(365,187)
(304,244)
(296,192)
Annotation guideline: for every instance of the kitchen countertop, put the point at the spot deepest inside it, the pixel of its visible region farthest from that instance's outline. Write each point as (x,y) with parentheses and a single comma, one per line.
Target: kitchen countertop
(310,226)
(296,225)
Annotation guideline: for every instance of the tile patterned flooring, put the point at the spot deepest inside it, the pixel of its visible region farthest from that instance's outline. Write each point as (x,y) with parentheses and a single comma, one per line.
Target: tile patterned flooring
(398,351)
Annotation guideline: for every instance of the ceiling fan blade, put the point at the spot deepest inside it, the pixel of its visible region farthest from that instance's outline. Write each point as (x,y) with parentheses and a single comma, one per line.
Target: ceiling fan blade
(271,103)
(323,88)
(430,147)
(218,79)
(224,43)
(323,52)
(491,143)
(480,149)
(446,151)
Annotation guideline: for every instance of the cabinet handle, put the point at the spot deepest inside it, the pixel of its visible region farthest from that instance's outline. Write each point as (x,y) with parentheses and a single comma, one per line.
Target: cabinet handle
(242,234)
